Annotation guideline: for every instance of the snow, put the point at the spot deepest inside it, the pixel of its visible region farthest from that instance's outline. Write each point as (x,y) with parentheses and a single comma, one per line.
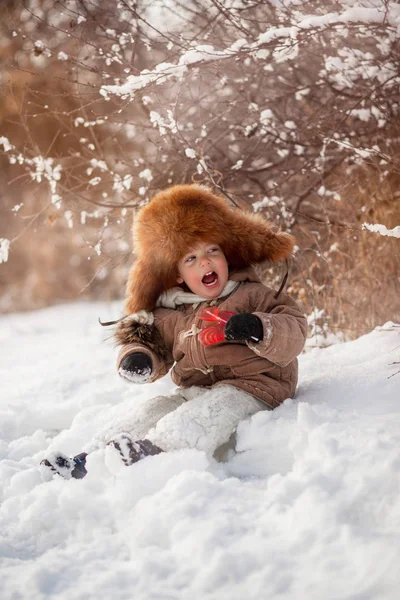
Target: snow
(146,174)
(308,507)
(162,124)
(69,218)
(4,249)
(382,229)
(237,166)
(140,377)
(122,183)
(5,143)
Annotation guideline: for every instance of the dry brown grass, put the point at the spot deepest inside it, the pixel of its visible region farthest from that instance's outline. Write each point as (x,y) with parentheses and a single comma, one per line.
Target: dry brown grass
(353,275)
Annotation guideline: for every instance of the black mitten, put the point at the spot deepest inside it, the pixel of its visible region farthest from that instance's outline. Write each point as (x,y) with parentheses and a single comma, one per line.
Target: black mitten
(244,326)
(136,367)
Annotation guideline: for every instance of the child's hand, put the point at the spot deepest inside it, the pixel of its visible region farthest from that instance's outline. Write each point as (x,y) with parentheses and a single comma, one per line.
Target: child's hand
(136,367)
(244,326)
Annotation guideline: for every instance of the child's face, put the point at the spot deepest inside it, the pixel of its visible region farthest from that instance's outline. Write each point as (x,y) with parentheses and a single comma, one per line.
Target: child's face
(204,270)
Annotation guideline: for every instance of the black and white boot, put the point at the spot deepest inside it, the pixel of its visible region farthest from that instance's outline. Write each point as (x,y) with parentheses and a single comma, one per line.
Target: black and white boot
(64,466)
(124,451)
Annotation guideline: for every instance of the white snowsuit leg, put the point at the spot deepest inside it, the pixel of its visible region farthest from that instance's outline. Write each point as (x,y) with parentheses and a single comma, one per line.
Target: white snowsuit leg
(205,422)
(141,419)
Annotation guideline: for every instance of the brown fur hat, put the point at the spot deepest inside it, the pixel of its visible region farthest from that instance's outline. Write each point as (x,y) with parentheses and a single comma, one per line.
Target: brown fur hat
(178,218)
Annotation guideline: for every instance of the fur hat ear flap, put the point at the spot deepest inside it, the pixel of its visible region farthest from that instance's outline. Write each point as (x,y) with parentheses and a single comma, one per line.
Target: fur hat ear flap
(257,241)
(139,287)
(146,282)
(280,246)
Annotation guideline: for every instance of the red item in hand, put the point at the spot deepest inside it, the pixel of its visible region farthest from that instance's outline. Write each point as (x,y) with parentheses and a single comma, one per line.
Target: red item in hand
(214,333)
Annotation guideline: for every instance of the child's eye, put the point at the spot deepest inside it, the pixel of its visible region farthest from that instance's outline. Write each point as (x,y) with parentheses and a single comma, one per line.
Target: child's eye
(213,250)
(189,259)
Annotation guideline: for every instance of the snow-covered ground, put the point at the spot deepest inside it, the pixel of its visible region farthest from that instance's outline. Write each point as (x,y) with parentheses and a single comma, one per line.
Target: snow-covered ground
(309,506)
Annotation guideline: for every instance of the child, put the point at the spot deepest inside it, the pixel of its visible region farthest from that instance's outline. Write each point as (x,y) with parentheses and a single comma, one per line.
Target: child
(194,252)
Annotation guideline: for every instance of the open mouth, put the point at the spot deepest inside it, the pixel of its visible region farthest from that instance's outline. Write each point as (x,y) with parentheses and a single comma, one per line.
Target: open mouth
(210,279)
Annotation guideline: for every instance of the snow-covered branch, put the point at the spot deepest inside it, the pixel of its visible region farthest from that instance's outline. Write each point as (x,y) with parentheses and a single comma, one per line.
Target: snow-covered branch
(201,54)
(382,230)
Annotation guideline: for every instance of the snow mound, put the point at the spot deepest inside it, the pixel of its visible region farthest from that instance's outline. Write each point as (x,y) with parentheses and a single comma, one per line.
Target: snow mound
(308,506)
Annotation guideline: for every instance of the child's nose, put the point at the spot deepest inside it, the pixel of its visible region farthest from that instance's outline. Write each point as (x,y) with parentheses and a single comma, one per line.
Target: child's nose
(205,260)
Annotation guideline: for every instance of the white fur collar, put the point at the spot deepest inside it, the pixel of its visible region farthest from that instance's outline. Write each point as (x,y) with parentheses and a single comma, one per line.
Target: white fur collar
(176,296)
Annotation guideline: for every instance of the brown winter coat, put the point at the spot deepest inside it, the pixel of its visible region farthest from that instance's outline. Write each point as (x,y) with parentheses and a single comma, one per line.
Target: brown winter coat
(268,370)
